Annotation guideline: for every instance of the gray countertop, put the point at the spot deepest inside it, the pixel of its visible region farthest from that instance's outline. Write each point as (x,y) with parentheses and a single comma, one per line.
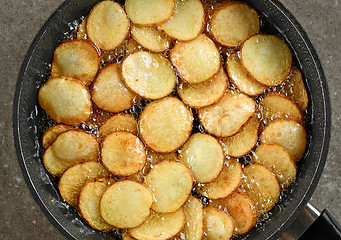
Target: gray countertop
(21,20)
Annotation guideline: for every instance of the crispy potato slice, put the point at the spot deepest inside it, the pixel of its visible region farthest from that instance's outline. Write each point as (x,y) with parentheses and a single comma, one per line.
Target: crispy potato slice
(225,19)
(197,60)
(149,75)
(89,199)
(52,133)
(171,183)
(81,31)
(123,153)
(65,100)
(109,92)
(119,122)
(72,180)
(288,134)
(126,204)
(241,78)
(226,183)
(187,21)
(262,186)
(159,226)
(267,58)
(166,124)
(194,219)
(203,156)
(205,93)
(226,117)
(149,12)
(107,25)
(217,224)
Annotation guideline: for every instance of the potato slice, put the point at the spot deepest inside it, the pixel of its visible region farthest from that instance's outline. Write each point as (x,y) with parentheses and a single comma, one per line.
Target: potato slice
(126,204)
(72,180)
(203,156)
(262,186)
(288,134)
(205,93)
(52,133)
(241,78)
(89,199)
(194,219)
(225,19)
(65,100)
(226,117)
(119,122)
(166,124)
(149,75)
(267,58)
(81,31)
(123,153)
(109,92)
(149,12)
(159,226)
(187,21)
(171,183)
(107,25)
(197,60)
(227,181)
(217,224)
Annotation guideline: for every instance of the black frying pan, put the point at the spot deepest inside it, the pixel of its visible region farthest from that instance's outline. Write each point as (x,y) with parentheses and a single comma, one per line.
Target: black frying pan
(29,121)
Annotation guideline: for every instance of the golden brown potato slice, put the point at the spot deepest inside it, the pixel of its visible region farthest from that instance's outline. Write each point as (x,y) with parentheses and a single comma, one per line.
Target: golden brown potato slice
(233,23)
(205,93)
(226,117)
(241,78)
(65,100)
(123,153)
(166,124)
(89,199)
(77,59)
(126,204)
(196,60)
(149,75)
(81,31)
(171,183)
(227,181)
(107,25)
(218,224)
(52,133)
(109,92)
(267,58)
(203,156)
(72,180)
(187,21)
(194,219)
(119,122)
(149,12)
(288,134)
(159,226)
(244,141)
(262,186)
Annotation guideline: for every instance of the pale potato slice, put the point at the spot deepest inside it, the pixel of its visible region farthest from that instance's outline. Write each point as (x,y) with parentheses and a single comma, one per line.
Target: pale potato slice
(107,25)
(118,122)
(233,23)
(89,199)
(267,58)
(226,117)
(288,134)
(187,21)
(126,204)
(203,156)
(196,60)
(77,59)
(262,186)
(205,93)
(166,124)
(244,141)
(65,100)
(149,75)
(218,224)
(159,226)
(171,183)
(52,133)
(109,92)
(241,78)
(123,153)
(81,31)
(194,219)
(72,180)
(226,183)
(149,12)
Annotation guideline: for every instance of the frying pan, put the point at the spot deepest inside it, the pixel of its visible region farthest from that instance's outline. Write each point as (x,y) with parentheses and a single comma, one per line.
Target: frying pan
(29,120)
